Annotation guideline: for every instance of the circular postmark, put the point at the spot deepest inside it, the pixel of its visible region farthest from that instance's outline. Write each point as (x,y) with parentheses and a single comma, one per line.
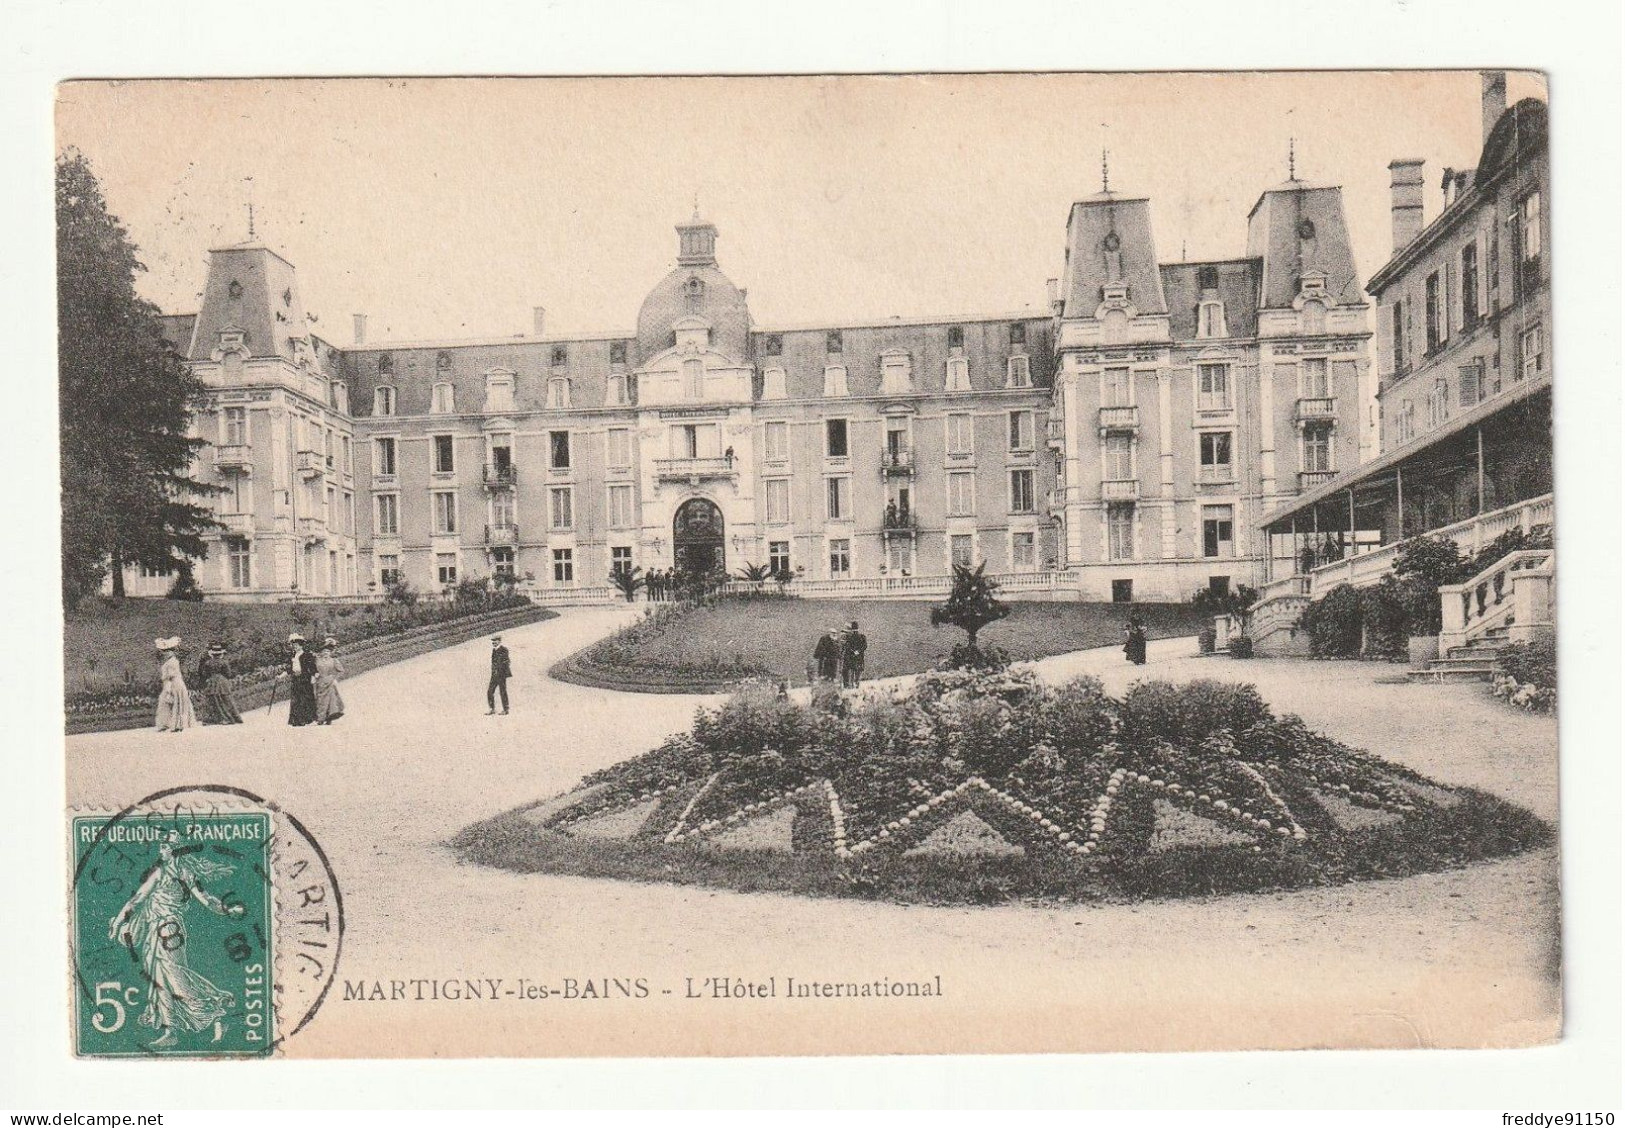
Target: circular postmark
(206,921)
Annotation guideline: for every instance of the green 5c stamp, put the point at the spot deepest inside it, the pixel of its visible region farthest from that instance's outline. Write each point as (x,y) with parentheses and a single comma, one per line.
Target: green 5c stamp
(173,921)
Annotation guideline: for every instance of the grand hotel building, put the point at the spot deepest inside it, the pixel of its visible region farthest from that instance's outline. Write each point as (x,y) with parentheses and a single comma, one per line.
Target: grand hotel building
(1127,441)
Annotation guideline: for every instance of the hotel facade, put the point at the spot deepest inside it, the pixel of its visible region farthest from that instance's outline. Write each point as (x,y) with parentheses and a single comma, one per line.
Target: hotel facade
(1122,444)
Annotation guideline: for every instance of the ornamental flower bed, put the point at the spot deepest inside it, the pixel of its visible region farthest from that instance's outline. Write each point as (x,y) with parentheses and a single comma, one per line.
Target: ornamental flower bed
(983,787)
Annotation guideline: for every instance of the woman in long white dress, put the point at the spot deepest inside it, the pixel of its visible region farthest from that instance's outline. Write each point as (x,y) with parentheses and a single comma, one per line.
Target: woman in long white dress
(174,701)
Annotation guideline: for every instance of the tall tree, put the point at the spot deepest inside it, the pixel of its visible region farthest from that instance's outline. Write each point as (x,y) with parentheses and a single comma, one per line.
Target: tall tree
(126,399)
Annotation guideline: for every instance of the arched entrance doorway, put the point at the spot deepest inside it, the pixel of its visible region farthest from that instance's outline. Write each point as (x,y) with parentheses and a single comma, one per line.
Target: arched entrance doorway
(696,537)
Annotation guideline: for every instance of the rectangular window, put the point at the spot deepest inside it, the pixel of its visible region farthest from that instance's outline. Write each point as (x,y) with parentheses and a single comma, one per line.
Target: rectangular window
(330,515)
(1122,591)
(1434,313)
(1396,326)
(773,345)
(895,375)
(1019,374)
(445,512)
(237,562)
(383,457)
(961,493)
(1213,387)
(1120,532)
(444,458)
(835,438)
(1529,226)
(620,507)
(1214,461)
(775,384)
(778,500)
(1470,385)
(560,507)
(236,426)
(776,442)
(617,352)
(693,379)
(840,558)
(962,550)
(619,445)
(1021,430)
(445,567)
(564,566)
(1022,497)
(1405,423)
(778,557)
(1210,320)
(956,336)
(1207,278)
(961,434)
(388,510)
(1530,359)
(1118,457)
(558,450)
(561,356)
(1317,450)
(443,400)
(616,393)
(498,395)
(349,514)
(1438,397)
(1116,388)
(1316,382)
(956,377)
(832,341)
(620,559)
(1018,333)
(1469,286)
(502,561)
(835,380)
(1218,531)
(838,492)
(502,509)
(383,401)
(389,570)
(1023,550)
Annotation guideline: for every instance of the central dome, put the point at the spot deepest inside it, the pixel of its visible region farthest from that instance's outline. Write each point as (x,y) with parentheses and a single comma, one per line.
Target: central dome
(696,288)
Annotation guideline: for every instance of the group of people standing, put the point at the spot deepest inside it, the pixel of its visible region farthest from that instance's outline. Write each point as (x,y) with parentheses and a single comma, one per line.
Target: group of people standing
(839,655)
(314,697)
(314,677)
(662,584)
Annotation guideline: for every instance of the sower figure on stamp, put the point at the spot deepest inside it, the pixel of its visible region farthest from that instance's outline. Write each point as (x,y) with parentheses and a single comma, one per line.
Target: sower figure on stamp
(501,671)
(302,670)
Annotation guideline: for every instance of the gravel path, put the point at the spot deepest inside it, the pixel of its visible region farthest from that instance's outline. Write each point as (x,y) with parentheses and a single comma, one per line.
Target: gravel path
(1453,959)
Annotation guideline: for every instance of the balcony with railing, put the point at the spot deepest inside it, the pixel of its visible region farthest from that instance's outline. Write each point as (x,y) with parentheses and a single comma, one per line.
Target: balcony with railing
(310,463)
(1316,409)
(311,528)
(236,524)
(234,458)
(694,470)
(1309,479)
(1060,496)
(896,522)
(501,477)
(502,535)
(897,463)
(1121,489)
(1119,419)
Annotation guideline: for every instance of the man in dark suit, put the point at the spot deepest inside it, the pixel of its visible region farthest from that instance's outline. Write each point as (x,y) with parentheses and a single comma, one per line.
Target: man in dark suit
(501,671)
(854,649)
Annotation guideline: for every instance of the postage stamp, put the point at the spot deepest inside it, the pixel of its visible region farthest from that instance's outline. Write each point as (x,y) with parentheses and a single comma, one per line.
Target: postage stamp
(206,923)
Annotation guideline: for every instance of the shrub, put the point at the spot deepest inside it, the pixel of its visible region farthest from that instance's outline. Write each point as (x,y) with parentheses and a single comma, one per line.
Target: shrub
(1432,561)
(1389,612)
(1513,540)
(966,656)
(1532,663)
(1234,601)
(1206,639)
(1332,623)
(1186,715)
(185,586)
(401,593)
(971,605)
(1241,647)
(627,581)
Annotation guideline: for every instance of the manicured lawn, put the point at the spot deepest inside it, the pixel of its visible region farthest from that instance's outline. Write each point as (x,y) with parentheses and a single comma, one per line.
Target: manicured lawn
(777,636)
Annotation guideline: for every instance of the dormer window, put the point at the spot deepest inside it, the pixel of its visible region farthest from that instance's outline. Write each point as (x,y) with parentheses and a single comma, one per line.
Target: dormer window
(1018,374)
(896,374)
(694,379)
(773,345)
(386,365)
(443,400)
(1210,320)
(617,393)
(561,356)
(499,392)
(832,341)
(694,294)
(558,393)
(383,401)
(1207,278)
(956,377)
(1018,333)
(774,384)
(442,362)
(341,397)
(617,352)
(956,336)
(835,380)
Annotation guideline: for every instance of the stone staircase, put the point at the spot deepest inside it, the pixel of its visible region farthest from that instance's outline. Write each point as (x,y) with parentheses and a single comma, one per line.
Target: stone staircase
(1475,661)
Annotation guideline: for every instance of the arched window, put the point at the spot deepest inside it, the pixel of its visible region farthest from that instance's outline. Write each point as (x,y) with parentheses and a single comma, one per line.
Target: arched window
(499,392)
(835,380)
(558,392)
(383,400)
(341,397)
(774,384)
(616,392)
(443,401)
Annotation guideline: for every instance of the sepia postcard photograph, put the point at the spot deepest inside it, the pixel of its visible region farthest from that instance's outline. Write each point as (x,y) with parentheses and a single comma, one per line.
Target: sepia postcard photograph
(808,565)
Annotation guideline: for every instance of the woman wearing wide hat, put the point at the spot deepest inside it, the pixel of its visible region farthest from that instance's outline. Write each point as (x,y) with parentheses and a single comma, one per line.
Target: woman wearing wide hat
(302,670)
(174,702)
(329,705)
(216,705)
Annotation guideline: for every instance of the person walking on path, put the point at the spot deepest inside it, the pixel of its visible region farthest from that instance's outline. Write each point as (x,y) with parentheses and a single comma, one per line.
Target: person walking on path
(329,705)
(302,670)
(1134,640)
(174,702)
(854,647)
(216,704)
(827,655)
(501,671)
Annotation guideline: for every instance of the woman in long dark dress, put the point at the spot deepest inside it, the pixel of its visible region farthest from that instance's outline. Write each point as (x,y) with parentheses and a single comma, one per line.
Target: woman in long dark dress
(216,705)
(1134,641)
(302,670)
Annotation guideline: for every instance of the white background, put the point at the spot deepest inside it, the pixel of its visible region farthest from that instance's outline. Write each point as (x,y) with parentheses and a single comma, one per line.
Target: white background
(1577,43)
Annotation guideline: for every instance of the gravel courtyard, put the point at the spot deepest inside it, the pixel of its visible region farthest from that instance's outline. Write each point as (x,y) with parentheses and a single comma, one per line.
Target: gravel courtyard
(1460,958)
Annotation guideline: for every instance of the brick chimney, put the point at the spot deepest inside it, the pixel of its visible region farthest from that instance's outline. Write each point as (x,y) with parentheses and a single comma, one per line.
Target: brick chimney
(360,328)
(1406,205)
(538,320)
(1493,99)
